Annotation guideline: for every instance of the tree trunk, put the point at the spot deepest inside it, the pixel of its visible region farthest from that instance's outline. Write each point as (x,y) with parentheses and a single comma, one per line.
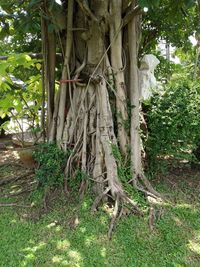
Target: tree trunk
(88,128)
(140,182)
(118,72)
(65,72)
(49,63)
(134,98)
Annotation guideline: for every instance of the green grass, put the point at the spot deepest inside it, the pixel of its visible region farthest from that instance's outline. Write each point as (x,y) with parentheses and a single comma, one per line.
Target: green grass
(50,242)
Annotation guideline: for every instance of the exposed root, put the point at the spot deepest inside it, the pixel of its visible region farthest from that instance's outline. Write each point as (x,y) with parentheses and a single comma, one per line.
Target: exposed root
(120,201)
(45,204)
(25,191)
(155,214)
(99,198)
(142,184)
(134,207)
(14,205)
(152,217)
(114,217)
(8,164)
(149,187)
(14,179)
(83,188)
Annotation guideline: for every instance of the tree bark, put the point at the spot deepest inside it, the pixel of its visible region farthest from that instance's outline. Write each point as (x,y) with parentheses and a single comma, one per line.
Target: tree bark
(88,128)
(139,180)
(49,61)
(65,72)
(118,72)
(134,97)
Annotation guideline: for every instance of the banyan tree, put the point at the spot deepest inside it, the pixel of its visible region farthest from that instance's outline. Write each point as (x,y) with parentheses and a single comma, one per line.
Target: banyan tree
(96,109)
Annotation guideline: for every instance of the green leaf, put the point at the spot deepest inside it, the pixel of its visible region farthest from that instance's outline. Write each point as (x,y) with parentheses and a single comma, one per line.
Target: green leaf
(189,3)
(143,3)
(38,66)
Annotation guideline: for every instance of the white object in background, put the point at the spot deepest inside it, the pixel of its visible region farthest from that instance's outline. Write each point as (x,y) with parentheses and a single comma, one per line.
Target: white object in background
(147,79)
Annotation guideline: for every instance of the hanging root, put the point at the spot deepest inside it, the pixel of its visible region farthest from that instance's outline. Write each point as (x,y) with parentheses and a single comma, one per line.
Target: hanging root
(89,131)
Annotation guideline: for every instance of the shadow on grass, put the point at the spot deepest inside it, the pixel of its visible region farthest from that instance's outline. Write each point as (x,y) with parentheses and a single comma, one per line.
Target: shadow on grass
(175,242)
(50,243)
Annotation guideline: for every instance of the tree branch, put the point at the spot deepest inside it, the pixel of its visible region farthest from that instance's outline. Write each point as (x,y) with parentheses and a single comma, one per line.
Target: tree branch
(85,8)
(134,11)
(126,4)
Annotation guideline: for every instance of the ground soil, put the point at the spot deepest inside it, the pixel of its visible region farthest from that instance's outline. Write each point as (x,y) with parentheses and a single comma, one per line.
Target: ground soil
(14,170)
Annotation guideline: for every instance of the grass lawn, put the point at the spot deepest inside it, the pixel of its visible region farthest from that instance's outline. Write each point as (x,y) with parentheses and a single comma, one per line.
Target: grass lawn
(50,241)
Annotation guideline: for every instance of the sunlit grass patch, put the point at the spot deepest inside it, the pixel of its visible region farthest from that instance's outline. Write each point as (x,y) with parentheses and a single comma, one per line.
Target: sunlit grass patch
(50,241)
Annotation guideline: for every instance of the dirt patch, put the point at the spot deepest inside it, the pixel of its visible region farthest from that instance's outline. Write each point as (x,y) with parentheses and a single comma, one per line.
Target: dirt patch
(8,152)
(15,178)
(9,157)
(12,154)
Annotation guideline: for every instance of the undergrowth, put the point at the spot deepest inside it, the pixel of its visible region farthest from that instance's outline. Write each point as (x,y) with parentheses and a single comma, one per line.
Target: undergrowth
(125,175)
(173,123)
(51,162)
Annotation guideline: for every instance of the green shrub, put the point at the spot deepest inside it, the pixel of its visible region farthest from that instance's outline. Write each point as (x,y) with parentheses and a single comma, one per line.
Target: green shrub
(51,161)
(174,122)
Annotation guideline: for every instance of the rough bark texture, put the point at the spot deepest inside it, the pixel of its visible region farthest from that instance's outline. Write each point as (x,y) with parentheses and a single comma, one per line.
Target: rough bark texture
(65,72)
(134,97)
(89,128)
(118,71)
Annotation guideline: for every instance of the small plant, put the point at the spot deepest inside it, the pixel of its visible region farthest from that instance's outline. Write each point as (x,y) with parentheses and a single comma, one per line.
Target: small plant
(51,161)
(79,178)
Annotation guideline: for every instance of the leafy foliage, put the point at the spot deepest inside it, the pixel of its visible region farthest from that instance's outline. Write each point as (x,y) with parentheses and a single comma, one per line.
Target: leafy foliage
(173,21)
(165,68)
(51,161)
(19,28)
(173,121)
(20,98)
(75,181)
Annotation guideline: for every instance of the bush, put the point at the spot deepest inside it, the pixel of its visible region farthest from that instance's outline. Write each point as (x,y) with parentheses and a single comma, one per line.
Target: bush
(51,161)
(173,121)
